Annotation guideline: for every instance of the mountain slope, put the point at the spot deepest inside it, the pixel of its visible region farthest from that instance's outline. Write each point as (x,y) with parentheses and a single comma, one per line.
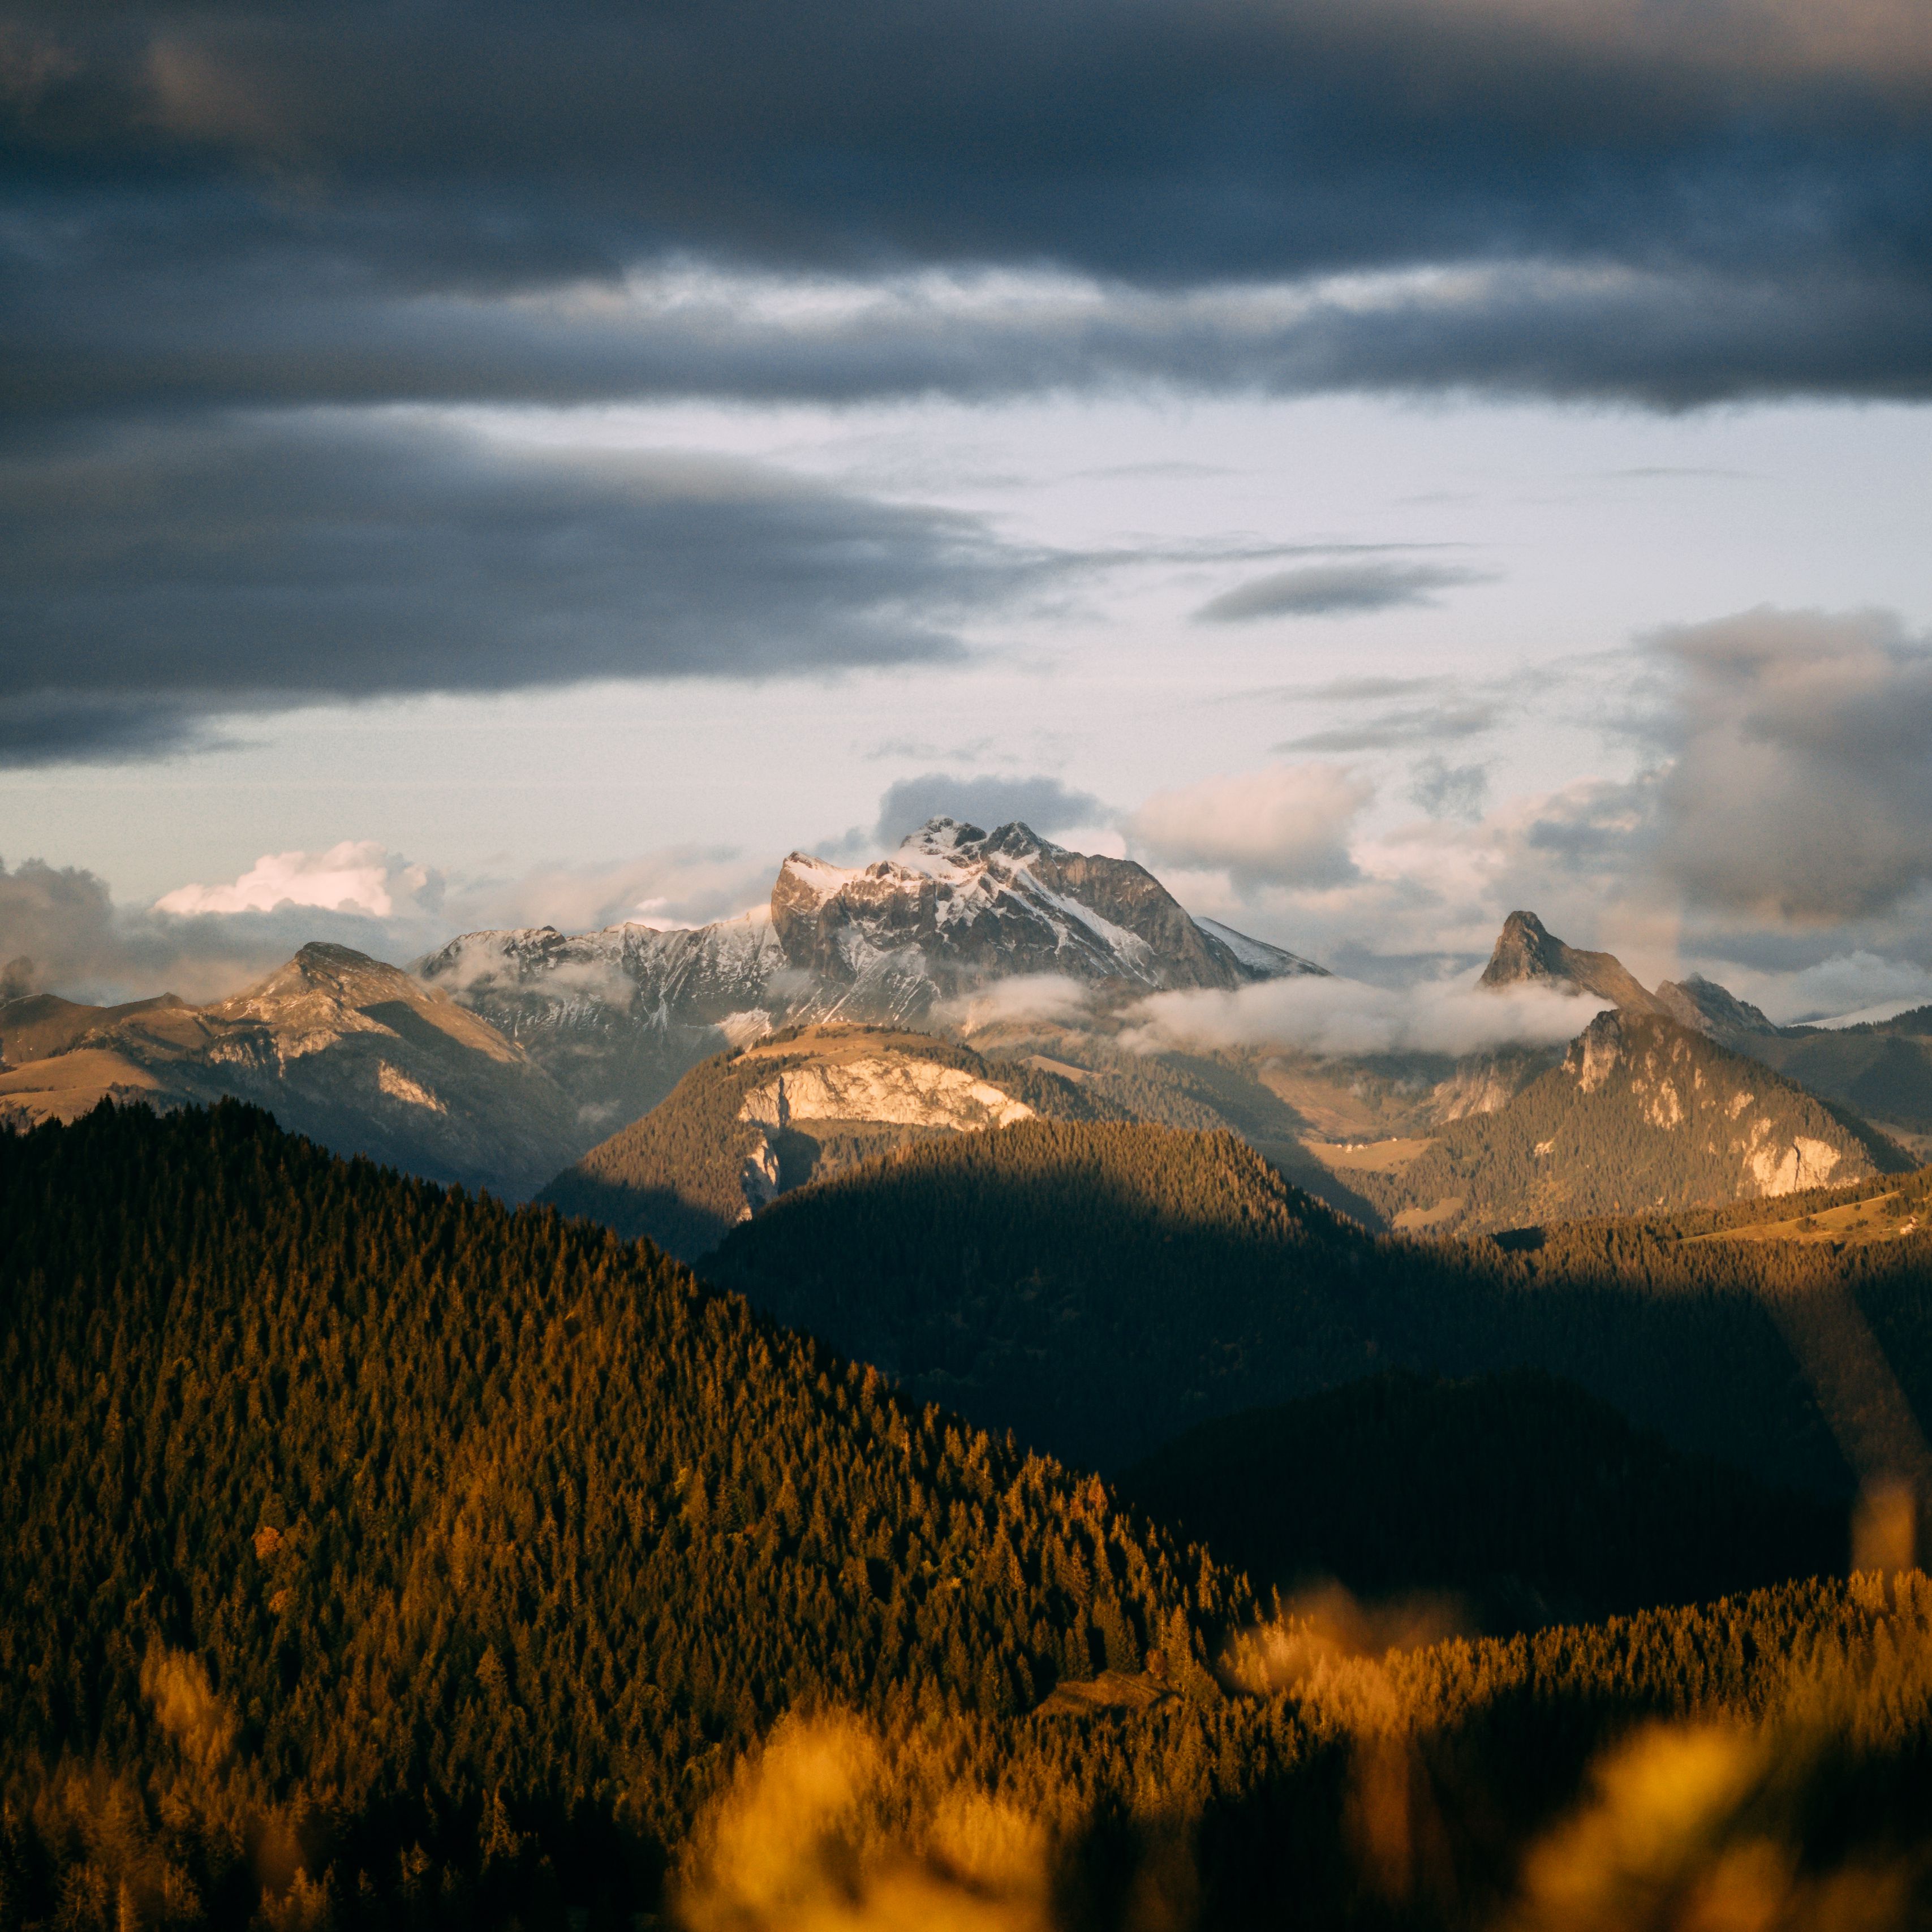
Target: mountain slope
(382,1558)
(39,1025)
(1642,1114)
(808,1102)
(1882,1069)
(1527,1498)
(357,1055)
(1093,1287)
(618,1017)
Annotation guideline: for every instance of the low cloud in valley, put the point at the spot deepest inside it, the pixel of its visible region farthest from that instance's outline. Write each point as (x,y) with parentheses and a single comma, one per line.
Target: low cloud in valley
(1337,1015)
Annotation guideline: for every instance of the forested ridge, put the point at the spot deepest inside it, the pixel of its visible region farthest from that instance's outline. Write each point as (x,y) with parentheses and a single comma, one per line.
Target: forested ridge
(373,1555)
(445,1498)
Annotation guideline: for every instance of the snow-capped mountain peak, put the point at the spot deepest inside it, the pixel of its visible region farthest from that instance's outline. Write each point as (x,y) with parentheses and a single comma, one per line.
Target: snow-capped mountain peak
(954,907)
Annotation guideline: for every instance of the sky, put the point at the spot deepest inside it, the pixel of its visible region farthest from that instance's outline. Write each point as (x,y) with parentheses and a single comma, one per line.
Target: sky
(1378,463)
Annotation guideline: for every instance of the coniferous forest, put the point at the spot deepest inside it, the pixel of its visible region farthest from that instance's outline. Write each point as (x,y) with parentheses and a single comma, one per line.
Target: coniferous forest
(377,1555)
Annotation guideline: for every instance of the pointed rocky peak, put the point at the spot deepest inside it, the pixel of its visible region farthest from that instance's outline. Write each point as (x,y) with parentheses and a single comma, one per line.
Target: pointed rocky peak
(1527,953)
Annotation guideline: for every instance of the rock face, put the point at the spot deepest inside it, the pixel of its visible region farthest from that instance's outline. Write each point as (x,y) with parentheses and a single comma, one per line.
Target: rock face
(619,1016)
(616,1017)
(359,1055)
(1781,1139)
(897,1090)
(1527,954)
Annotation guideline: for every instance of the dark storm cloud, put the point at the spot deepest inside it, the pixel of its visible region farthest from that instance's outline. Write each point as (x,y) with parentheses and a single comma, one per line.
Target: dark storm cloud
(362,201)
(147,579)
(1044,803)
(1333,590)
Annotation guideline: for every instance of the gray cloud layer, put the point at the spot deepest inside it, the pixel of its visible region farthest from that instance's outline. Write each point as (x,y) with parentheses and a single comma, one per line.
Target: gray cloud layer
(148,579)
(250,201)
(1800,787)
(229,229)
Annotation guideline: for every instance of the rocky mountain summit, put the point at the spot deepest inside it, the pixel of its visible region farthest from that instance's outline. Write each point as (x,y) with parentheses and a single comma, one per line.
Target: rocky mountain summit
(359,1055)
(1527,954)
(618,1016)
(1882,1069)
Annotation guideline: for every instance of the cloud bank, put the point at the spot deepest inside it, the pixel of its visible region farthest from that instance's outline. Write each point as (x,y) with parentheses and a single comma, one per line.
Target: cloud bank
(357,876)
(251,202)
(1799,787)
(148,582)
(1346,1017)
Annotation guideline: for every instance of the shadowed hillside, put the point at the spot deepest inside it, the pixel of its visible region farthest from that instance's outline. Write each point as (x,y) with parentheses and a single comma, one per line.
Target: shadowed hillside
(1525,1497)
(1100,1289)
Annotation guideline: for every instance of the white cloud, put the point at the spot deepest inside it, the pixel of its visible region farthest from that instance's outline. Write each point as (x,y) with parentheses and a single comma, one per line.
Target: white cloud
(356,876)
(1282,825)
(1841,990)
(1346,1016)
(1031,996)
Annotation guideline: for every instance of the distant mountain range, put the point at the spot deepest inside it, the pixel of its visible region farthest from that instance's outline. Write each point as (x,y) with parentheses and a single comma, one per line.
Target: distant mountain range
(530,1060)
(618,1017)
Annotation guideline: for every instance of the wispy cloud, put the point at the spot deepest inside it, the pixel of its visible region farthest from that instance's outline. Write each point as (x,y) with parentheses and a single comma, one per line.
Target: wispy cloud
(1345,590)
